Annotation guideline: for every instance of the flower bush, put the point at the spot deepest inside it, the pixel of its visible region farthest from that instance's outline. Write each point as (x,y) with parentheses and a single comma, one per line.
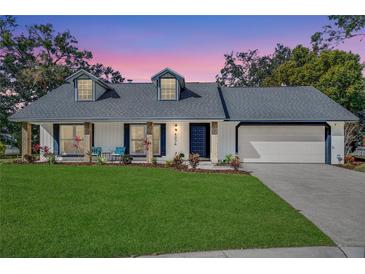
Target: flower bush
(178,161)
(147,144)
(194,159)
(235,162)
(349,159)
(154,161)
(50,157)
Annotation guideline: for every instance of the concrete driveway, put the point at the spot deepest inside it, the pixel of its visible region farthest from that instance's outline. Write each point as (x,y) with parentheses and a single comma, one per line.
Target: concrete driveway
(333,198)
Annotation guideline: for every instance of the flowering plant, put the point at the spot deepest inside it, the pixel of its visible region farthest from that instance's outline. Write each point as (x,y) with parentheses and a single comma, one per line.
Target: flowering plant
(147,144)
(51,158)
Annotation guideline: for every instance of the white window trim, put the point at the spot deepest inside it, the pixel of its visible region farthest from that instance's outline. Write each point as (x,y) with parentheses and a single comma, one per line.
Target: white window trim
(176,89)
(145,130)
(92,90)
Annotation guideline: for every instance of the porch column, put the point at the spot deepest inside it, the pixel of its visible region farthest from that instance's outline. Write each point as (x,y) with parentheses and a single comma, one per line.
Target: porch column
(214,143)
(26,139)
(150,140)
(87,140)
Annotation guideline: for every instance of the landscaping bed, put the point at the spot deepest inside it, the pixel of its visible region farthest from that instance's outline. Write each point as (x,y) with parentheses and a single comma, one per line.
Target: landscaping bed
(184,168)
(66,210)
(357,166)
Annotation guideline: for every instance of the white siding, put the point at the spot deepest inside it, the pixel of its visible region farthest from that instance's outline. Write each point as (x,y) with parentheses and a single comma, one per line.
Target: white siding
(337,142)
(226,139)
(182,139)
(282,144)
(46,136)
(108,135)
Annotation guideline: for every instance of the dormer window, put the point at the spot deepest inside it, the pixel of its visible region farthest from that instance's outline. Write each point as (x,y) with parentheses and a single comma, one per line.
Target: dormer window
(169,85)
(84,89)
(168,88)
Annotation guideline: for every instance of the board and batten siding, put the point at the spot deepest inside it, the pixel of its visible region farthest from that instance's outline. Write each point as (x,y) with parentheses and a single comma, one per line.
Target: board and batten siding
(182,140)
(108,136)
(226,139)
(46,137)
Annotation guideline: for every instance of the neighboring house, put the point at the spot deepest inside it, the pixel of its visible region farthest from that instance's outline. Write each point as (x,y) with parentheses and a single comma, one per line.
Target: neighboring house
(279,124)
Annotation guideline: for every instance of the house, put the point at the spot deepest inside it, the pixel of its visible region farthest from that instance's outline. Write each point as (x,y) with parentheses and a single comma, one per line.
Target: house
(275,124)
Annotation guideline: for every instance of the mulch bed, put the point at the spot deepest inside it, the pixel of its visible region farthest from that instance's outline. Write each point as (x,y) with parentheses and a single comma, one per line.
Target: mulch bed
(183,169)
(350,165)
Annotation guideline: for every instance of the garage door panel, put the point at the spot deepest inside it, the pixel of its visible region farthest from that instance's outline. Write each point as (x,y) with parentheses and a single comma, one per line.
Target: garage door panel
(289,144)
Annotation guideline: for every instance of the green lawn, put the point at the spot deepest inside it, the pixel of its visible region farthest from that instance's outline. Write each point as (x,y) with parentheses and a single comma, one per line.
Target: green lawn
(105,211)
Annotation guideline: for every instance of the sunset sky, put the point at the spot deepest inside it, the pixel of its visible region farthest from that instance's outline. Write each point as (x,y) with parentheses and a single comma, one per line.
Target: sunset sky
(139,46)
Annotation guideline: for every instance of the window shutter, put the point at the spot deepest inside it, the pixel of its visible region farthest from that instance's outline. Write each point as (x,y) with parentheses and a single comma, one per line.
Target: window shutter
(163,140)
(56,139)
(93,134)
(126,138)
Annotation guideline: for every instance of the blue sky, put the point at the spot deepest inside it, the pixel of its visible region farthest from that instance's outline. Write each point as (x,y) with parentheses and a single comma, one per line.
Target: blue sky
(139,46)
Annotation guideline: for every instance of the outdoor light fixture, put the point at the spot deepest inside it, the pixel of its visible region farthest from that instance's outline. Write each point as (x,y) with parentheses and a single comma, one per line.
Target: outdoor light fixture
(175,134)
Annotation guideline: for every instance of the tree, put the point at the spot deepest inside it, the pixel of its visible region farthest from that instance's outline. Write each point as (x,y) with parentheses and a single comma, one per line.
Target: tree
(336,73)
(351,134)
(37,60)
(250,69)
(343,27)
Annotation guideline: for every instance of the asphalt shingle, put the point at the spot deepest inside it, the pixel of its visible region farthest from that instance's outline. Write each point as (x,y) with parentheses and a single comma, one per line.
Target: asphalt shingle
(138,101)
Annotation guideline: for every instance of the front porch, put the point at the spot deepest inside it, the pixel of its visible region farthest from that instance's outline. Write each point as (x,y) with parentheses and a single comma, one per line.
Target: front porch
(73,142)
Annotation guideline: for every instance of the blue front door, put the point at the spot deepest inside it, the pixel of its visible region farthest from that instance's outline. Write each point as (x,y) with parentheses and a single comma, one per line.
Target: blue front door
(199,139)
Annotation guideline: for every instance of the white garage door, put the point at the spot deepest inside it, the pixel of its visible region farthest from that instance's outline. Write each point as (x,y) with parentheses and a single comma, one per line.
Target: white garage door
(282,144)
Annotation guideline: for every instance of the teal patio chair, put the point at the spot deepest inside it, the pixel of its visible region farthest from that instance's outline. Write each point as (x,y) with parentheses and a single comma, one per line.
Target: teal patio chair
(119,152)
(96,151)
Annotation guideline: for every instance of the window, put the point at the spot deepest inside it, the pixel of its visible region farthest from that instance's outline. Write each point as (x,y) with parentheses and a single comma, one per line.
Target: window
(168,89)
(84,90)
(138,133)
(72,140)
(156,139)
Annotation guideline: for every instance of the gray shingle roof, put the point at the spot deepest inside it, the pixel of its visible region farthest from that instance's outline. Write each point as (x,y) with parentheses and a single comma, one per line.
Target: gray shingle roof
(133,101)
(138,101)
(283,104)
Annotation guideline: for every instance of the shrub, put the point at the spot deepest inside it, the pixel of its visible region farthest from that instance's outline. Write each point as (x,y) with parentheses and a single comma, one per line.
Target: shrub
(127,159)
(100,160)
(349,159)
(2,149)
(235,162)
(168,163)
(178,160)
(51,158)
(194,159)
(154,161)
(227,159)
(29,158)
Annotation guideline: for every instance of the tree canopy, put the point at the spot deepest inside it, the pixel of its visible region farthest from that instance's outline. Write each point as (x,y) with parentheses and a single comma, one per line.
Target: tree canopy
(343,27)
(336,73)
(248,68)
(38,59)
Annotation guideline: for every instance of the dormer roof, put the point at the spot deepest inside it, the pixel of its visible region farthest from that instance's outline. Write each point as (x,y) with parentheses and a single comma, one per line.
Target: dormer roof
(81,72)
(171,73)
